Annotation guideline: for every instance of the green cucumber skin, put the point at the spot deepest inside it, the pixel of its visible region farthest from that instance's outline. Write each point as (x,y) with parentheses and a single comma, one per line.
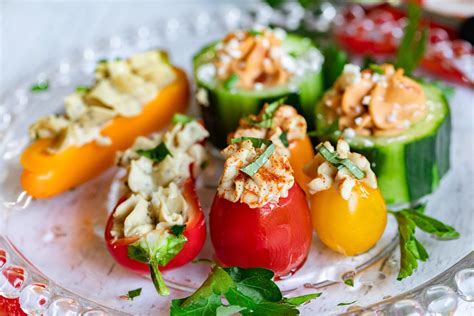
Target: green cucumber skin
(225,108)
(408,171)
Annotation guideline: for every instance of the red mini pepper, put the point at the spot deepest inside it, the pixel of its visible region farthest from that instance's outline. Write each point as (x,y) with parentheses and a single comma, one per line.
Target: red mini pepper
(276,236)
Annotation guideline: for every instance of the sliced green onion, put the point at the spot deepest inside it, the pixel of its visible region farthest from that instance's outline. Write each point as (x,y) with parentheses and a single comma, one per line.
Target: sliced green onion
(256,142)
(181,118)
(231,82)
(339,163)
(252,168)
(158,153)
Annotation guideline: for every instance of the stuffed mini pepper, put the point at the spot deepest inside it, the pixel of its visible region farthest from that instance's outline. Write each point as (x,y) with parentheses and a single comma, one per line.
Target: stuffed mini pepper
(282,125)
(237,75)
(158,224)
(402,126)
(347,208)
(259,216)
(130,97)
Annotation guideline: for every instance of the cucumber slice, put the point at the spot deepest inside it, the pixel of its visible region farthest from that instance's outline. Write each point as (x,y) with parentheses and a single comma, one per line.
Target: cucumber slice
(408,166)
(222,108)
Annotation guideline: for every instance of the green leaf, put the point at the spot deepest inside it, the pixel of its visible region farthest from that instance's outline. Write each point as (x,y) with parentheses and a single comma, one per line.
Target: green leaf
(102,61)
(367,61)
(284,139)
(134,293)
(200,307)
(349,282)
(40,86)
(376,69)
(432,225)
(408,247)
(266,120)
(255,32)
(82,89)
(231,82)
(228,310)
(136,252)
(333,158)
(256,142)
(253,167)
(334,61)
(182,118)
(238,274)
(158,153)
(298,300)
(177,229)
(260,289)
(413,43)
(345,304)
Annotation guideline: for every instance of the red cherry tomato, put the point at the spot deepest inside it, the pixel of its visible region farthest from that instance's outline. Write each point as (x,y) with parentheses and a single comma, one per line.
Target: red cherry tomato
(276,236)
(195,232)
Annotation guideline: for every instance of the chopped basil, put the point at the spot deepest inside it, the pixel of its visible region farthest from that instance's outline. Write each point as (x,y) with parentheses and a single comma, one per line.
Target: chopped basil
(376,69)
(177,229)
(134,293)
(255,32)
(337,162)
(253,167)
(256,142)
(82,89)
(267,116)
(284,139)
(345,304)
(181,118)
(158,153)
(40,86)
(367,61)
(102,61)
(231,82)
(349,282)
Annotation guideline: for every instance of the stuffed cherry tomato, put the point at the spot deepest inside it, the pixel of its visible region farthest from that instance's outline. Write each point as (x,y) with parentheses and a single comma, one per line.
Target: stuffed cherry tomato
(159,224)
(348,210)
(282,125)
(259,217)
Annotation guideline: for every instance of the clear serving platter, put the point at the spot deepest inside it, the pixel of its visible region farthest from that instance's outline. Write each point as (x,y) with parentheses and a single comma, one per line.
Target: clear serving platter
(52,252)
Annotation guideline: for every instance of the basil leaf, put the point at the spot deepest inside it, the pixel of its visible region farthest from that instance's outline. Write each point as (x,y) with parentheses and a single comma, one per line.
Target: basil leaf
(298,300)
(158,153)
(349,282)
(345,304)
(134,293)
(177,229)
(256,142)
(333,158)
(253,167)
(255,32)
(376,69)
(284,139)
(266,120)
(40,86)
(102,61)
(228,310)
(231,82)
(367,61)
(82,89)
(181,118)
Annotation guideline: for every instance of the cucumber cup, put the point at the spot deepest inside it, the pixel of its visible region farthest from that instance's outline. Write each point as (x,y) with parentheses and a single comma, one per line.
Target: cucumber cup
(409,165)
(223,101)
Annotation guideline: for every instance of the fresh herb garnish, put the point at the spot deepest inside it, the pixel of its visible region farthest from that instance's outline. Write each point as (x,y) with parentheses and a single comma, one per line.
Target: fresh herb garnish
(376,69)
(181,118)
(255,32)
(252,168)
(413,44)
(267,116)
(367,61)
(349,282)
(158,153)
(284,139)
(333,158)
(177,229)
(102,61)
(231,82)
(134,293)
(345,304)
(157,249)
(40,86)
(256,142)
(248,291)
(411,250)
(82,89)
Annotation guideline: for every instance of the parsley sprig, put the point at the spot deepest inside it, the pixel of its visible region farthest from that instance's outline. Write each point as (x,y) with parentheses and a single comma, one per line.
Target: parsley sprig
(411,250)
(247,291)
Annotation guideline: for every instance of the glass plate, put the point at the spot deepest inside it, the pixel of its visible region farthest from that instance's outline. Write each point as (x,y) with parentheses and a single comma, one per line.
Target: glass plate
(58,242)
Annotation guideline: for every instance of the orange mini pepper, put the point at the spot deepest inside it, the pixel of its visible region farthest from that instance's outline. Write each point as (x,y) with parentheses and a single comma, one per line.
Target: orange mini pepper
(301,152)
(46,174)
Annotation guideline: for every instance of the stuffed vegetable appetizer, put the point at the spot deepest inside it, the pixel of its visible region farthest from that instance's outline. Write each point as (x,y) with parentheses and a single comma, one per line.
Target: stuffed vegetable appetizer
(237,75)
(259,216)
(281,124)
(130,97)
(347,208)
(402,126)
(158,224)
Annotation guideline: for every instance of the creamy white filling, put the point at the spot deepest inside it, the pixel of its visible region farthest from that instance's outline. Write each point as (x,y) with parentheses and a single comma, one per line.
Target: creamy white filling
(122,88)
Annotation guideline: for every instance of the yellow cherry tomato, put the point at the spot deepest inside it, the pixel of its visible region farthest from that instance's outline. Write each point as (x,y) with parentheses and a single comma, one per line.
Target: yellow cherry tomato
(349,226)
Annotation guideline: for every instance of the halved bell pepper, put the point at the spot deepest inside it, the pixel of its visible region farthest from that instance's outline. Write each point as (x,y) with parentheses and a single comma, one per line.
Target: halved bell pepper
(47,174)
(194,232)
